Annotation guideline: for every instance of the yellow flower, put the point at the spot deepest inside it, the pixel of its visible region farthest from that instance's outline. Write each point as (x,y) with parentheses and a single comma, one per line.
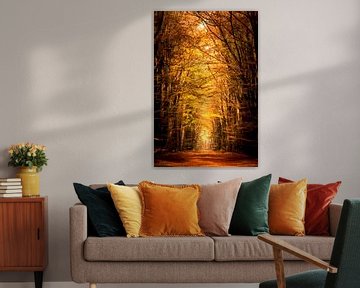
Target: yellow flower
(27,152)
(41,147)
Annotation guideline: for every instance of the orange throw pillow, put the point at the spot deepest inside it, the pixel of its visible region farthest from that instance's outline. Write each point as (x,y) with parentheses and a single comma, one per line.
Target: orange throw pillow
(169,210)
(319,197)
(287,204)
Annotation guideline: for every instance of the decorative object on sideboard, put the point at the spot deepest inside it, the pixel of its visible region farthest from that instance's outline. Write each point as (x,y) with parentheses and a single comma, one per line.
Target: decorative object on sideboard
(30,180)
(30,158)
(10,187)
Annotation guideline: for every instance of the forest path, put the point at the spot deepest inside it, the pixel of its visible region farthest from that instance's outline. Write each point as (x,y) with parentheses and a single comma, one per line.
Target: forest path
(205,158)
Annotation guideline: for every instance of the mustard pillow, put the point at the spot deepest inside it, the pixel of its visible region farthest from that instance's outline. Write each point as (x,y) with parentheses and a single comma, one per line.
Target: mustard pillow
(169,210)
(287,204)
(127,201)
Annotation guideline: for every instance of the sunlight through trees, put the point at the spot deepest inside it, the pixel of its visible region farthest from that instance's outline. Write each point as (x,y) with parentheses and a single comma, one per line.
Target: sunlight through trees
(205,82)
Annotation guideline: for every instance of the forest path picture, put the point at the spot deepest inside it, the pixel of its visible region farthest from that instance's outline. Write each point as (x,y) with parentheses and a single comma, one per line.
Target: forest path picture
(205,88)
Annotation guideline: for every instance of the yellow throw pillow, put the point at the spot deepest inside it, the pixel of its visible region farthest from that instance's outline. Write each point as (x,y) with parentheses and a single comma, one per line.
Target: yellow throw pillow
(169,210)
(287,204)
(127,201)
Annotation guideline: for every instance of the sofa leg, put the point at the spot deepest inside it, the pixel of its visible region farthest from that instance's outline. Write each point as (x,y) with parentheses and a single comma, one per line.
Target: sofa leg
(92,285)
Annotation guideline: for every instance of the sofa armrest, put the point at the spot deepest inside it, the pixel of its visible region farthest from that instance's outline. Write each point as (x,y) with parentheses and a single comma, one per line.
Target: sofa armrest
(78,235)
(334,217)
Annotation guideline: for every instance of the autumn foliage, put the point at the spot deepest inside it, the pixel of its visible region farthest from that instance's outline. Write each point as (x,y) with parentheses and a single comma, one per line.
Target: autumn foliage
(205,83)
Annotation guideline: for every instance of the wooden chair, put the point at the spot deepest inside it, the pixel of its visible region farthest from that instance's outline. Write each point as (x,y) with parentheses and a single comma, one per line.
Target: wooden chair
(344,268)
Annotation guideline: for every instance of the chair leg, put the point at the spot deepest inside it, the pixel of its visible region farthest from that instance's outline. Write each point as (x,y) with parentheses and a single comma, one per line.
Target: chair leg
(279,267)
(92,285)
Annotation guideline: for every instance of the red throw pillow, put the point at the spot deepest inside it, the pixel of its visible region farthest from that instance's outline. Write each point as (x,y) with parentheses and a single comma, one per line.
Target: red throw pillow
(319,197)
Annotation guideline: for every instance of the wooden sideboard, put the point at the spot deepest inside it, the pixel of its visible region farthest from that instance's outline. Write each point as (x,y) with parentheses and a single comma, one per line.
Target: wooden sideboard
(23,235)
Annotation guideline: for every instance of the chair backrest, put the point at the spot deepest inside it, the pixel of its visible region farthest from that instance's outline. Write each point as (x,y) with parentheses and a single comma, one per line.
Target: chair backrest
(346,251)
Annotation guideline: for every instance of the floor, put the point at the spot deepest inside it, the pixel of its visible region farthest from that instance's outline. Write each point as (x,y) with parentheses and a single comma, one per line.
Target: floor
(74,285)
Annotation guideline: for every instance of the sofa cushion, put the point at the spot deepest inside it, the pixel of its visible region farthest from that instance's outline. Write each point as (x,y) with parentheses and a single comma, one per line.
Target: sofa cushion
(287,204)
(102,216)
(216,205)
(318,199)
(244,248)
(127,201)
(250,215)
(169,210)
(149,249)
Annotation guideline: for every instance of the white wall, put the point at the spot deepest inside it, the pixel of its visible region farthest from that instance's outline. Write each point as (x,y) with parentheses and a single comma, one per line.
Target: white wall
(77,76)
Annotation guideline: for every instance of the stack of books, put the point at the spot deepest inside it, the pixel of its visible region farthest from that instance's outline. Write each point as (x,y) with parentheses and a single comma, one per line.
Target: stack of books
(10,187)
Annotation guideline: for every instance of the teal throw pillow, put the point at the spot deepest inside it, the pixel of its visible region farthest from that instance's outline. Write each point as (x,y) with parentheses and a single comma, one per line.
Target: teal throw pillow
(250,216)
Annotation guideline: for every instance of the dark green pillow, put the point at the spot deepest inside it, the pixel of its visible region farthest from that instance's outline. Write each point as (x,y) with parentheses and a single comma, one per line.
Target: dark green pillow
(103,218)
(250,216)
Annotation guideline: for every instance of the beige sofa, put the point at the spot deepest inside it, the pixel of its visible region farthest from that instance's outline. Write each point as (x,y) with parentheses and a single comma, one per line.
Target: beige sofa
(234,259)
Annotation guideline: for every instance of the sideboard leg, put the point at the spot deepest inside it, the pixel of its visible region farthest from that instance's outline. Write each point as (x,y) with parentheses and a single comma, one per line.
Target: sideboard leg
(38,279)
(92,285)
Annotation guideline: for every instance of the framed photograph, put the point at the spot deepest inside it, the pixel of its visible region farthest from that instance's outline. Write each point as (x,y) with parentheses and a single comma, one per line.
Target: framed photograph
(205,88)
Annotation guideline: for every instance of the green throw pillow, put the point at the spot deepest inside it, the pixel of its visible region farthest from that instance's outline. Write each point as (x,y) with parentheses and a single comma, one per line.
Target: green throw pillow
(250,215)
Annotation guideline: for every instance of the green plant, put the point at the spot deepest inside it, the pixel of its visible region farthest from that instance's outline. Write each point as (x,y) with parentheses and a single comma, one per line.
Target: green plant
(27,155)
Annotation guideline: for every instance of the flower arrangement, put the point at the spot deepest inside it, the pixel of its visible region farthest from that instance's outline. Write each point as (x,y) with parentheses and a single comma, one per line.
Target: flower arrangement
(27,155)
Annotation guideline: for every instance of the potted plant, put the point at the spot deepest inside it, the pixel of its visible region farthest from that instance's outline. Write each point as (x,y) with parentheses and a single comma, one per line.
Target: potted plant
(30,158)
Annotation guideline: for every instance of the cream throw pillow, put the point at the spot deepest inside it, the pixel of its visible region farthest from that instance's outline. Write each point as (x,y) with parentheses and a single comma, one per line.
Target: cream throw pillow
(127,201)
